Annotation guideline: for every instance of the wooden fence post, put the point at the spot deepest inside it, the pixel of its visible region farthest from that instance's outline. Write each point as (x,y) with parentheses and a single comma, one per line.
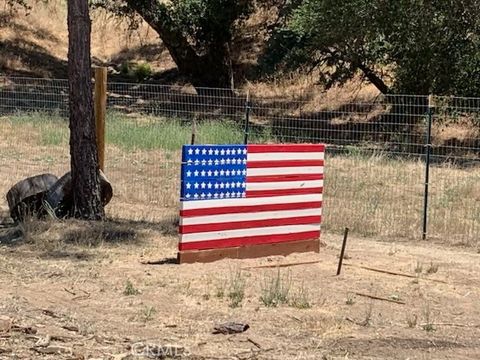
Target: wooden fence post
(100,111)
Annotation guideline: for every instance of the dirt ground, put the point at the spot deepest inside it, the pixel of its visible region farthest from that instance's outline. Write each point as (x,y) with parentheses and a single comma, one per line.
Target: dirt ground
(78,295)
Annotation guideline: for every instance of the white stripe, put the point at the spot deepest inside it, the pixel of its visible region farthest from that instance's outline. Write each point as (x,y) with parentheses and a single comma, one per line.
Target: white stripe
(240,217)
(285,171)
(274,230)
(285,156)
(285,185)
(287,199)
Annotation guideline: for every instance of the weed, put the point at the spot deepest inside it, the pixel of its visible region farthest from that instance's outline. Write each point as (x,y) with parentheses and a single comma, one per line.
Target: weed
(275,290)
(368,315)
(147,313)
(412,320)
(418,267)
(130,289)
(350,299)
(236,290)
(433,268)
(220,289)
(427,312)
(301,299)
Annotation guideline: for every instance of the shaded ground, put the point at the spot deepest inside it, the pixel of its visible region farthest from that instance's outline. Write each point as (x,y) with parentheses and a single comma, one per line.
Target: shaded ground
(95,299)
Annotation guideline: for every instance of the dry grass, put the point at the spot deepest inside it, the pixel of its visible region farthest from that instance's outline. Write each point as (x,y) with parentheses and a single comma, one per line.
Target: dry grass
(82,297)
(373,195)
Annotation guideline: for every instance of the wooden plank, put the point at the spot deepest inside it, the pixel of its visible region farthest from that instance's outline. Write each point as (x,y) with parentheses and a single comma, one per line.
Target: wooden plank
(100,111)
(249,252)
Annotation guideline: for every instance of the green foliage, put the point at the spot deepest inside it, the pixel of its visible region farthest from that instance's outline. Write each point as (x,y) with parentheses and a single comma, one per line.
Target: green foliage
(138,72)
(428,46)
(275,290)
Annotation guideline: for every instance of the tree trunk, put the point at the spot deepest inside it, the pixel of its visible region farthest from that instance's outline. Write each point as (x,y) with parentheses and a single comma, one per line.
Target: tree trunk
(210,70)
(83,149)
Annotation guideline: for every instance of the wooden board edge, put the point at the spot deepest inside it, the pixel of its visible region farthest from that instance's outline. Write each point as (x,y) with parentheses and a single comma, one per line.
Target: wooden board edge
(248,252)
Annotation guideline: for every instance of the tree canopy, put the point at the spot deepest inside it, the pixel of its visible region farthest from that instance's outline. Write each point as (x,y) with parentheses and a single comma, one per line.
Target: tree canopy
(401,46)
(409,46)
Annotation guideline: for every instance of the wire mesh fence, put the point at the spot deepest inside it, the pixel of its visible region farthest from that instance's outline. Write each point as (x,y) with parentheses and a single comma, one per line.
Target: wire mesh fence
(375,169)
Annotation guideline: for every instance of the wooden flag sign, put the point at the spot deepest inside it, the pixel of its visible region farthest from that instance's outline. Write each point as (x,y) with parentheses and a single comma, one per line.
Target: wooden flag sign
(245,201)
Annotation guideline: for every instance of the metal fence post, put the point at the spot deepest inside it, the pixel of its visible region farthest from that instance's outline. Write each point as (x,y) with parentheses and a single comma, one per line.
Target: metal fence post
(428,150)
(247,118)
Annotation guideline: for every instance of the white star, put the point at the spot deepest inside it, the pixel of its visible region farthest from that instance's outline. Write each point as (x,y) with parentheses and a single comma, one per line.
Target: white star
(239,184)
(222,162)
(227,172)
(215,195)
(204,151)
(227,152)
(209,195)
(244,172)
(195,196)
(195,173)
(217,162)
(244,184)
(227,185)
(189,161)
(203,196)
(196,185)
(209,185)
(203,173)
(238,172)
(190,151)
(244,194)
(187,196)
(232,184)
(209,172)
(197,151)
(222,152)
(189,173)
(244,151)
(239,194)
(210,151)
(210,162)
(203,185)
(244,161)
(197,162)
(227,161)
(222,185)
(204,162)
(189,185)
(221,195)
(215,173)
(227,194)
(222,172)
(216,151)
(234,161)
(216,186)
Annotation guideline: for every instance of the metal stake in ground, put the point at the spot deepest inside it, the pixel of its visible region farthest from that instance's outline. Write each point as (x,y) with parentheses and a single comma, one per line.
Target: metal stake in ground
(428,150)
(342,252)
(247,118)
(194,131)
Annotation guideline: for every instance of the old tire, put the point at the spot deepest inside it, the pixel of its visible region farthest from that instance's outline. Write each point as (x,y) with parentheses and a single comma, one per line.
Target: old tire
(26,197)
(60,195)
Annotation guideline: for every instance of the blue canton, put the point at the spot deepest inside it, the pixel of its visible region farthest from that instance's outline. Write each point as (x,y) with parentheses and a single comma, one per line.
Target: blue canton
(213,172)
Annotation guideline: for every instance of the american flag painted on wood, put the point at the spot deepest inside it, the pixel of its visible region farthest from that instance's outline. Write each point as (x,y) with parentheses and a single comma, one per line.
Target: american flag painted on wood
(240,195)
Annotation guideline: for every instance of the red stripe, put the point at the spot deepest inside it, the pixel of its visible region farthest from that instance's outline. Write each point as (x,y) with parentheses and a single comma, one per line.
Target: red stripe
(248,240)
(265,148)
(280,192)
(250,208)
(279,178)
(199,228)
(283,163)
